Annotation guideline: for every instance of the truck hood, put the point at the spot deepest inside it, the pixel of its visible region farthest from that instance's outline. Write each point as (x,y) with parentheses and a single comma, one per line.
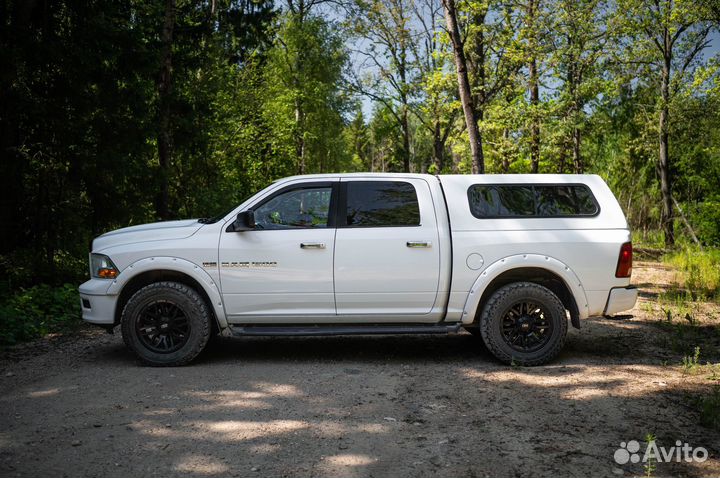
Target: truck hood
(156,231)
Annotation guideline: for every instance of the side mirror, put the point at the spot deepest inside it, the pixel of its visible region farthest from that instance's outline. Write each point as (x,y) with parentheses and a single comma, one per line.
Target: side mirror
(245,222)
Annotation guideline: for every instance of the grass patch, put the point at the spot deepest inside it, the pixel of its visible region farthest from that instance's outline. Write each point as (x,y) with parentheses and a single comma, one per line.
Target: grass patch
(710,408)
(685,334)
(692,362)
(699,271)
(38,310)
(648,239)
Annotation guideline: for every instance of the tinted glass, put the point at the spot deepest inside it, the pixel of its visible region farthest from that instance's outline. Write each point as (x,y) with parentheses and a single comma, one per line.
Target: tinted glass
(381,203)
(299,208)
(531,201)
(489,201)
(565,201)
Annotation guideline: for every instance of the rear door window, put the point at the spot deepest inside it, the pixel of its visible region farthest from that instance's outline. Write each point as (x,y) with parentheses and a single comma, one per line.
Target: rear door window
(381,204)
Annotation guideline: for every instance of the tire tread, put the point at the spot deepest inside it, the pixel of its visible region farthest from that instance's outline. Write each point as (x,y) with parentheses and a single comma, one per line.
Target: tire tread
(486,322)
(199,305)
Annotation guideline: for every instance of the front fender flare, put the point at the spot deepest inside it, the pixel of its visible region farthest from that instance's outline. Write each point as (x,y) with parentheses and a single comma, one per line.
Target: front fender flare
(559,268)
(175,264)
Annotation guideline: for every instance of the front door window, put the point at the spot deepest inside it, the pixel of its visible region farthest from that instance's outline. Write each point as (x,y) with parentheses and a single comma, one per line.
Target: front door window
(296,209)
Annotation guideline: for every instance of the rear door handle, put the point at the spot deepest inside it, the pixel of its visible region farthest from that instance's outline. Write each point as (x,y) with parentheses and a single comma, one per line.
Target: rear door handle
(312,245)
(418,244)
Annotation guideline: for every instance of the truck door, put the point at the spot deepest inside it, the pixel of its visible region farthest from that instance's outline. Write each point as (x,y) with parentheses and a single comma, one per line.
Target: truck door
(284,267)
(387,258)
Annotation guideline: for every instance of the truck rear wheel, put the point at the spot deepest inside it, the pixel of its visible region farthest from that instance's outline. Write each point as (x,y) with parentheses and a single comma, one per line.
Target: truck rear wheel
(524,323)
(166,324)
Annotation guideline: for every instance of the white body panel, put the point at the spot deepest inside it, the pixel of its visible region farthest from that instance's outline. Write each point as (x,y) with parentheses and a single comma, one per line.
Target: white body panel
(588,247)
(269,274)
(369,274)
(377,273)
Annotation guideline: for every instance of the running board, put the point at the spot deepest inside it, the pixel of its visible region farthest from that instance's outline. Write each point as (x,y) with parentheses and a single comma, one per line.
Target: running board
(320,330)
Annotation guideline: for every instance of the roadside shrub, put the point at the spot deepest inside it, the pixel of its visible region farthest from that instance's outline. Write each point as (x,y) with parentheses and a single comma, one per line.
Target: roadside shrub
(705,217)
(21,268)
(38,310)
(699,270)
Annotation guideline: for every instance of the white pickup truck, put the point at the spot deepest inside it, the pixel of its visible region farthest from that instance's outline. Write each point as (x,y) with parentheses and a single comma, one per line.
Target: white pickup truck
(510,258)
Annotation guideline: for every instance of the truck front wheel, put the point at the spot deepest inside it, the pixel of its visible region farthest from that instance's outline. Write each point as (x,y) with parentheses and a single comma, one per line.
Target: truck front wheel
(166,324)
(524,323)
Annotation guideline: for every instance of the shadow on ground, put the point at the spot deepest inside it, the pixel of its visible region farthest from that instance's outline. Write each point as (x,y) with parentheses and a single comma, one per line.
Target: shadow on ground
(350,406)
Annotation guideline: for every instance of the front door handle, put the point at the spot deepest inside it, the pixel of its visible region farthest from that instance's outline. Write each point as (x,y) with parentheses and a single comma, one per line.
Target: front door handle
(418,244)
(312,245)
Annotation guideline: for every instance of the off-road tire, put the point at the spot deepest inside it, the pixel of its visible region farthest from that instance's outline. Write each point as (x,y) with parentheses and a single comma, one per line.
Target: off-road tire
(497,307)
(184,298)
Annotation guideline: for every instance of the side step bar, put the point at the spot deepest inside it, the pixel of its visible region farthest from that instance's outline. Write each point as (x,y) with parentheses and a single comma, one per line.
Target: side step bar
(320,330)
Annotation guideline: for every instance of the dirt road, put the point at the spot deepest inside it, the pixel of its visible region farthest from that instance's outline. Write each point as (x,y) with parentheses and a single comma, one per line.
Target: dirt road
(354,406)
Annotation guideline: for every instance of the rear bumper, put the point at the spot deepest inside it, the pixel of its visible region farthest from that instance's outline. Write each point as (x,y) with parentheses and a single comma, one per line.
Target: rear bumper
(97,307)
(620,299)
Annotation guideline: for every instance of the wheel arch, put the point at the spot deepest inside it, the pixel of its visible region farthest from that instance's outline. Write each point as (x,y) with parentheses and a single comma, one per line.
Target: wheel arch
(156,269)
(543,270)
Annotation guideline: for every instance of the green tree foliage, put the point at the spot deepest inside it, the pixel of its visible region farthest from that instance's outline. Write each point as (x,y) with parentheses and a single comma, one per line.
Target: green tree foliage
(357,137)
(257,90)
(437,106)
(76,107)
(82,112)
(389,64)
(577,47)
(666,39)
(303,102)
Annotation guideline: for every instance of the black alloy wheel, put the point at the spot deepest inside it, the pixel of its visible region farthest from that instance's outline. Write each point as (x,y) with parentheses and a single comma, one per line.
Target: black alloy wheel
(523,323)
(526,326)
(163,327)
(166,323)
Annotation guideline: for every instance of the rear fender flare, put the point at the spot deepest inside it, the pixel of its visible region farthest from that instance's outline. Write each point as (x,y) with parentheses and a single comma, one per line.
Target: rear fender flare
(557,267)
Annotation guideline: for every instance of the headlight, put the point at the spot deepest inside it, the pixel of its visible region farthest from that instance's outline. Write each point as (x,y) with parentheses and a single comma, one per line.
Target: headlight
(101,267)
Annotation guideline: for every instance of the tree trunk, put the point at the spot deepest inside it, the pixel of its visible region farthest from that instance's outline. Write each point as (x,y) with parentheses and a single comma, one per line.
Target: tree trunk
(438,147)
(404,123)
(562,156)
(165,137)
(405,126)
(668,222)
(506,156)
(535,124)
(300,136)
(575,111)
(534,88)
(478,162)
(577,157)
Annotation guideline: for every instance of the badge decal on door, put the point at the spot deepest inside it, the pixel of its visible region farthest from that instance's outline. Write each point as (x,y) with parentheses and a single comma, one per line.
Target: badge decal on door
(249,264)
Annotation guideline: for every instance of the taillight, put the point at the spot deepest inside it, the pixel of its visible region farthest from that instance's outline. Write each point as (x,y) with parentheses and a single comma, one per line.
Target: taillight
(624,265)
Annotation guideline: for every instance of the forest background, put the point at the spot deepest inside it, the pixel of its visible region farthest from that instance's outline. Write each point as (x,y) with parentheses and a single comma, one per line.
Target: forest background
(121,112)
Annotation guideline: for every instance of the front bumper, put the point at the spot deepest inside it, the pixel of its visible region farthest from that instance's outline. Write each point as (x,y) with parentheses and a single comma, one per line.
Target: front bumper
(620,299)
(97,306)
